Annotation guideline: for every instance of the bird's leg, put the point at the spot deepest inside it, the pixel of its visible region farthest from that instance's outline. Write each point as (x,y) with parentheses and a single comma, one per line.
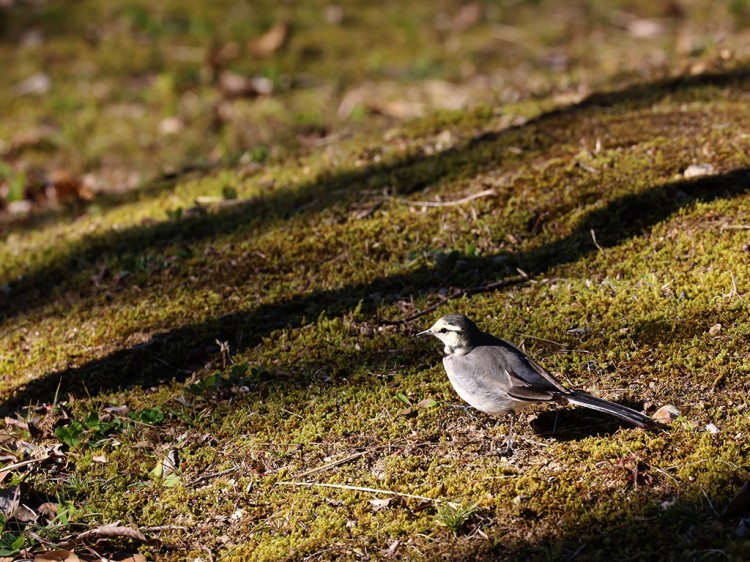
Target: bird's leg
(509,439)
(465,408)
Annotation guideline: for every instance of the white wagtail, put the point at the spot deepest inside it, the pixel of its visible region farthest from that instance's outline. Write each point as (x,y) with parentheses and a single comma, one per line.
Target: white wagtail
(497,378)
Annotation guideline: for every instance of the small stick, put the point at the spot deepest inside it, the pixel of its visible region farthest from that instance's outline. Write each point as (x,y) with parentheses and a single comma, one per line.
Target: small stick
(159,528)
(593,237)
(334,463)
(108,531)
(213,475)
(21,464)
(359,489)
(468,198)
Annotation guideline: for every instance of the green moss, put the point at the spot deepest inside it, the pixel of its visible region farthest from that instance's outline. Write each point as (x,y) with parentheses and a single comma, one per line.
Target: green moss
(632,270)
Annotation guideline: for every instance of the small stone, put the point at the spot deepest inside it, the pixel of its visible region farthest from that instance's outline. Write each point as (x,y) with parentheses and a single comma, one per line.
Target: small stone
(712,429)
(666,414)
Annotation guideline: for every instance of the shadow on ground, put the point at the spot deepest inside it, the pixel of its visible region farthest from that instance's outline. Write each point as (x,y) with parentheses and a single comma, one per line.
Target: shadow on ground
(172,352)
(407,175)
(688,520)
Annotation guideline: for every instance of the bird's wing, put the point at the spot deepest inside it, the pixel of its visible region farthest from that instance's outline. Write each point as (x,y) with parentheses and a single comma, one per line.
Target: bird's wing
(528,371)
(522,390)
(545,374)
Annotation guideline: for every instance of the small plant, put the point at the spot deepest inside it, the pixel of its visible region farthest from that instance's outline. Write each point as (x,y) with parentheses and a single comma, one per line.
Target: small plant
(454,515)
(10,543)
(95,431)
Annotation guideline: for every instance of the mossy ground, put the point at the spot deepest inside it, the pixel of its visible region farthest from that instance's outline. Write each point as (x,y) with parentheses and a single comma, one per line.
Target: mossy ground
(633,285)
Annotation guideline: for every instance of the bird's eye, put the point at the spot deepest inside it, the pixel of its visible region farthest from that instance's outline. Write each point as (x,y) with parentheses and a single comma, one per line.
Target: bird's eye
(442,330)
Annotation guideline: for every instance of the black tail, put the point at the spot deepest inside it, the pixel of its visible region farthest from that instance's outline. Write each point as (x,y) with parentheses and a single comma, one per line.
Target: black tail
(623,412)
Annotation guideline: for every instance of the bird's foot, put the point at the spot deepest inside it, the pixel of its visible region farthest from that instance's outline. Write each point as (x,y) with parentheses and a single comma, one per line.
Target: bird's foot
(465,408)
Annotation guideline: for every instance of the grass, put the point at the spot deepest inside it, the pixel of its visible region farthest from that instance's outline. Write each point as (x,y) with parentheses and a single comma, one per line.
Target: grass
(186,360)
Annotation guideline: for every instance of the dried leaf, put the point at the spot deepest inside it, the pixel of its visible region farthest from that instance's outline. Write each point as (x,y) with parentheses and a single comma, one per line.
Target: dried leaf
(378,503)
(271,41)
(57,556)
(170,462)
(108,531)
(25,514)
(391,551)
(48,510)
(740,503)
(16,423)
(69,188)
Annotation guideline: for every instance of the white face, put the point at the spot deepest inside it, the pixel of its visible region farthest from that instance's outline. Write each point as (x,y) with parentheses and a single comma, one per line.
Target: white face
(452,336)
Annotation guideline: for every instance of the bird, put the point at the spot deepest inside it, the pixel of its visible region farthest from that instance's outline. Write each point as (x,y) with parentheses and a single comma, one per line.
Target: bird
(497,378)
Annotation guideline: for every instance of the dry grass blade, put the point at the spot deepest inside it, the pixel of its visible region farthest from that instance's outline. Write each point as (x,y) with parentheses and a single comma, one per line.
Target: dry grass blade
(332,464)
(467,199)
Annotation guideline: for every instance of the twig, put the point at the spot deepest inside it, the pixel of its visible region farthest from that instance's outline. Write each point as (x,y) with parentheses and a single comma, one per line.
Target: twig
(221,203)
(485,193)
(212,475)
(462,293)
(159,528)
(334,463)
(359,489)
(110,530)
(352,457)
(21,464)
(366,214)
(42,540)
(593,237)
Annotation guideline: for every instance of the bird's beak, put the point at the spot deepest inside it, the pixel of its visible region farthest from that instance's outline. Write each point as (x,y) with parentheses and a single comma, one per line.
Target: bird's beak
(427,331)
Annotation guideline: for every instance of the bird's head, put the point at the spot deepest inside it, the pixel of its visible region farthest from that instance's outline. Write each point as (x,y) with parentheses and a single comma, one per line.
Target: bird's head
(457,333)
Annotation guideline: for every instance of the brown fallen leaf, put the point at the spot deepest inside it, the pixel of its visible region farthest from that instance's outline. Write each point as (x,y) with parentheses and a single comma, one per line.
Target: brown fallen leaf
(48,510)
(69,188)
(380,503)
(57,556)
(271,41)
